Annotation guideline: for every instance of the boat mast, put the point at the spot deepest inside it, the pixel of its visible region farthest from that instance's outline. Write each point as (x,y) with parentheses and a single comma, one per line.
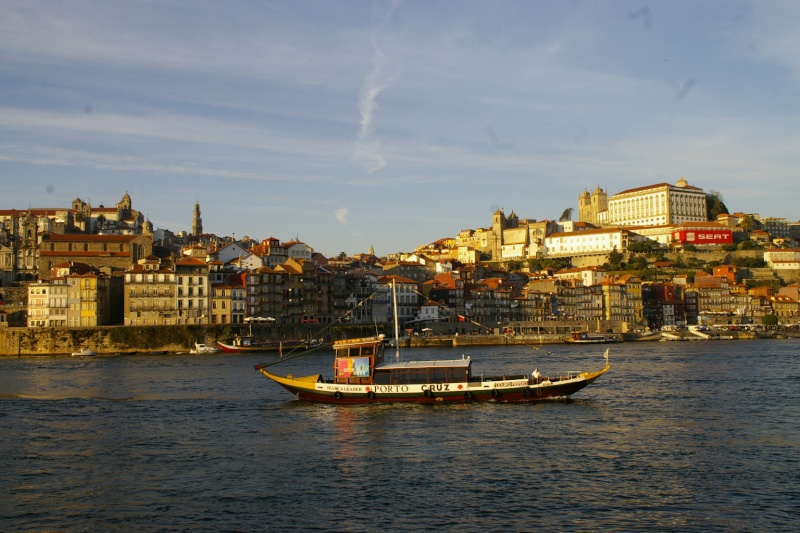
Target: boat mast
(396,321)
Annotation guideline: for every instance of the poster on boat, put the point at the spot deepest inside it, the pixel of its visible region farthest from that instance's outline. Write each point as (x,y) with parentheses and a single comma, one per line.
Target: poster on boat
(357,367)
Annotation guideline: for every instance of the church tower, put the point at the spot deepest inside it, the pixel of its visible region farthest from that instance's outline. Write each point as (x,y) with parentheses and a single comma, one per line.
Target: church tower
(591,205)
(499,223)
(197,222)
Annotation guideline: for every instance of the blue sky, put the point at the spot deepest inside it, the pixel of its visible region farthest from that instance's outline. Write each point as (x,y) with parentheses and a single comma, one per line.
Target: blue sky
(353,123)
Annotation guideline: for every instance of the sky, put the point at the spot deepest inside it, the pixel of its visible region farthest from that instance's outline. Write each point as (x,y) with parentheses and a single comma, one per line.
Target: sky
(392,124)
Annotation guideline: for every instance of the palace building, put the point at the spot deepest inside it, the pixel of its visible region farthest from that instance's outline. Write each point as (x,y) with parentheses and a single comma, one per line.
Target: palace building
(661,204)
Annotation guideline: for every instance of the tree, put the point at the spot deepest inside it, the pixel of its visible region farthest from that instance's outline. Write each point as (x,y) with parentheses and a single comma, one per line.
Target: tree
(566,215)
(715,205)
(769,320)
(615,260)
(747,223)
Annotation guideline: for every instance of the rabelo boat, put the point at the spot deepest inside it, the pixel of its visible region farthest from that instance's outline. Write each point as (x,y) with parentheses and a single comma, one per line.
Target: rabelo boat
(361,377)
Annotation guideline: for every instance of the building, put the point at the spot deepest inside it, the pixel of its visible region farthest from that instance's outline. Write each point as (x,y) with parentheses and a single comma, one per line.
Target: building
(197,221)
(653,205)
(383,302)
(118,252)
(598,242)
(150,294)
(701,233)
(89,300)
(593,208)
(47,303)
(193,290)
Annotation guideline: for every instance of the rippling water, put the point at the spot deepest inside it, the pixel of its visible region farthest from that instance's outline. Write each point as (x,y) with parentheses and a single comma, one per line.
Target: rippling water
(693,436)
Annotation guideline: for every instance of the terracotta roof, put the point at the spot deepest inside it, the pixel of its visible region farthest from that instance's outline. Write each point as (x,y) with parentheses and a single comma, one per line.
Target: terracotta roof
(81,237)
(189,260)
(75,253)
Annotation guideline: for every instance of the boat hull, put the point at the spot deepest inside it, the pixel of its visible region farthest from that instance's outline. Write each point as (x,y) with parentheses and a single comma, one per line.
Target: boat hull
(313,388)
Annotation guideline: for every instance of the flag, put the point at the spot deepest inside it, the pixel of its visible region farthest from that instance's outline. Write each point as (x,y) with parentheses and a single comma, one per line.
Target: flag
(461,318)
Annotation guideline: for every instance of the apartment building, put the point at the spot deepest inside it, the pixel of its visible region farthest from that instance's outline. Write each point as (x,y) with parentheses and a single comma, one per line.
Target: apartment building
(150,294)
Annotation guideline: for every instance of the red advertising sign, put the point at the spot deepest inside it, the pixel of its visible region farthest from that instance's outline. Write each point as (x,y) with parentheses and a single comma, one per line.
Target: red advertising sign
(703,236)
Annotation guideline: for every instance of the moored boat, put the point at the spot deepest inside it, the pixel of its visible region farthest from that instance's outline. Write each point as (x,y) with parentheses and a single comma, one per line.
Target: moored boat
(583,337)
(241,344)
(203,348)
(84,352)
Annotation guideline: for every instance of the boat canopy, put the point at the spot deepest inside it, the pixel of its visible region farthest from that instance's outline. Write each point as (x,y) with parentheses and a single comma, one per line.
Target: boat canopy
(450,363)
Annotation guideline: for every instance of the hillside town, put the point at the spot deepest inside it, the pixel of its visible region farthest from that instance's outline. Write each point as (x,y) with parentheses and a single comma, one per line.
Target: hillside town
(651,257)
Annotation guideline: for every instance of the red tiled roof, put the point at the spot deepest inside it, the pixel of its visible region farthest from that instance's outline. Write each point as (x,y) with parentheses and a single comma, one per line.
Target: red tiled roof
(81,237)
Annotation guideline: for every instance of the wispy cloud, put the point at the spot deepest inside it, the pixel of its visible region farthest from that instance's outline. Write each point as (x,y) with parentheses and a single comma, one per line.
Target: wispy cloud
(368,148)
(341,215)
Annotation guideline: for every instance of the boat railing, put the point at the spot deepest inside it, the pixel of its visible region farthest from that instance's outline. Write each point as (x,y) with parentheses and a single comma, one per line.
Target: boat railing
(499,378)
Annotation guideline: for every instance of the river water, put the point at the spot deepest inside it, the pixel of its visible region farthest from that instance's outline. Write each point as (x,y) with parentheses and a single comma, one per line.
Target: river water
(678,436)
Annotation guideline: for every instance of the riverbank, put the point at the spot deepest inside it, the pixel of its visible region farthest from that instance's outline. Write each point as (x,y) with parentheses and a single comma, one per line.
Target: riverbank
(181,339)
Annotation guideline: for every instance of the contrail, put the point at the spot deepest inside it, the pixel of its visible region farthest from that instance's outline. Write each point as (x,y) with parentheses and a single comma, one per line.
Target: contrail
(367,149)
(367,103)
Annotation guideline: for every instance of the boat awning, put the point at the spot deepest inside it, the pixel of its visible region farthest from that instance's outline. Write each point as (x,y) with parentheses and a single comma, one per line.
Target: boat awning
(450,363)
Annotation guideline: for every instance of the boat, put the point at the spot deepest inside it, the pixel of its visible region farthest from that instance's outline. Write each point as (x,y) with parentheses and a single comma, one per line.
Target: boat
(246,343)
(126,353)
(84,352)
(360,376)
(583,337)
(641,336)
(200,348)
(392,343)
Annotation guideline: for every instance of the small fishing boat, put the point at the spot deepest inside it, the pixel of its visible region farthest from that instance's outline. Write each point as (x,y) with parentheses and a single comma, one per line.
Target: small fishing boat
(583,337)
(360,376)
(200,348)
(84,352)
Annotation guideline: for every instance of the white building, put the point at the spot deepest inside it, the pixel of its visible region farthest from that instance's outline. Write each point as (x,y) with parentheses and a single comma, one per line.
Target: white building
(589,242)
(658,205)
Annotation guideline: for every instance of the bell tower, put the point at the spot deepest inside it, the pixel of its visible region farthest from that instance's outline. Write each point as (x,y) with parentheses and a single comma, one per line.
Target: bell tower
(197,222)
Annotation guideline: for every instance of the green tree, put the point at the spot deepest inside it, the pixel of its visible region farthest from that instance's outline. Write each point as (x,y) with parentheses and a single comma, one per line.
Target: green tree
(715,205)
(615,260)
(639,263)
(566,215)
(769,320)
(747,223)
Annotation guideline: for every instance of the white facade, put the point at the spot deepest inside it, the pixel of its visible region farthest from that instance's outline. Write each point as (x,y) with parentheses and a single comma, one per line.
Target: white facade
(299,250)
(232,251)
(658,205)
(600,241)
(587,276)
(782,258)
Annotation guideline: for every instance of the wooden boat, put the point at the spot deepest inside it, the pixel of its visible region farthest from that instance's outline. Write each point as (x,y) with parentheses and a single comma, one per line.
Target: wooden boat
(583,337)
(360,377)
(243,344)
